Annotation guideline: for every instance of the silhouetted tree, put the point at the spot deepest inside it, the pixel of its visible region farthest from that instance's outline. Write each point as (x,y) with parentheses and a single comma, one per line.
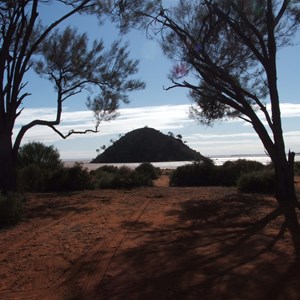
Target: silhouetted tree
(23,38)
(225,54)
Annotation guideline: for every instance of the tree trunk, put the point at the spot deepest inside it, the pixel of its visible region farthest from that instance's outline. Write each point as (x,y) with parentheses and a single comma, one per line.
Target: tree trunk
(287,199)
(8,164)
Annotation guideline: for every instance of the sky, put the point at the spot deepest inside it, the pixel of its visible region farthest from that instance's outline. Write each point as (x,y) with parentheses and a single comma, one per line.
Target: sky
(154,107)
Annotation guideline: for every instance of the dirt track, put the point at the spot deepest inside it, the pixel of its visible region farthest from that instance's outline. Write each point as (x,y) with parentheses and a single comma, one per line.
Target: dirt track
(150,243)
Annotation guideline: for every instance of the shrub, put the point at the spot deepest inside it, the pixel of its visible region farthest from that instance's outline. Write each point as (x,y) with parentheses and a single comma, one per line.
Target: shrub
(11,208)
(31,178)
(36,165)
(73,178)
(197,174)
(230,171)
(123,177)
(38,154)
(148,170)
(257,182)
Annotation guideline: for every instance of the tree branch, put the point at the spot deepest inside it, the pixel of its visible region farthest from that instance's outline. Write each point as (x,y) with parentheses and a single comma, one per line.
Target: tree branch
(65,136)
(281,12)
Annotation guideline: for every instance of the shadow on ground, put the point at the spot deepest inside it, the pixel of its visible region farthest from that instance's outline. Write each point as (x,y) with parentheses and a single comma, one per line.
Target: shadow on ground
(233,248)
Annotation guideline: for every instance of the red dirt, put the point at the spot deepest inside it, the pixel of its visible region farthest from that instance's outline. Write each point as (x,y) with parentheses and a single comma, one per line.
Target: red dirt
(148,243)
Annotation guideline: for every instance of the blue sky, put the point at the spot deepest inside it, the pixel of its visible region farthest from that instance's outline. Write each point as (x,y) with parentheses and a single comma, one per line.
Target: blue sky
(154,107)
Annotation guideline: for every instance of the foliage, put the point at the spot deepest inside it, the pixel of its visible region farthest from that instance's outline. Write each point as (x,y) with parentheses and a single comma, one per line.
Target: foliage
(11,208)
(38,154)
(40,170)
(36,166)
(257,182)
(228,173)
(205,173)
(76,68)
(73,178)
(197,174)
(225,54)
(124,177)
(67,59)
(147,169)
(32,178)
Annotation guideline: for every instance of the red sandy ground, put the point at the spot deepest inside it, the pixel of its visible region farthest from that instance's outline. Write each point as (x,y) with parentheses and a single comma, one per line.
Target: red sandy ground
(148,243)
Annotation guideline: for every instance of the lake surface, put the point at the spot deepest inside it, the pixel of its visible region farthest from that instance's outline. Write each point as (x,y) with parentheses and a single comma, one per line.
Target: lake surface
(218,160)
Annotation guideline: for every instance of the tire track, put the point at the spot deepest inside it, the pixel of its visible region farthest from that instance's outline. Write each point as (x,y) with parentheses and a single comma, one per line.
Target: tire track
(58,288)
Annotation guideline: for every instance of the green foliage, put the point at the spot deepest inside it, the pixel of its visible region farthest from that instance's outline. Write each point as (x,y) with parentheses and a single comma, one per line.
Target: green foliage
(38,154)
(36,164)
(147,169)
(32,178)
(103,176)
(205,173)
(73,178)
(40,170)
(124,177)
(11,208)
(230,171)
(196,174)
(257,182)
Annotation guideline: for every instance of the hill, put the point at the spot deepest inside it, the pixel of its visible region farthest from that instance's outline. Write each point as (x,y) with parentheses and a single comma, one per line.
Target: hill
(147,145)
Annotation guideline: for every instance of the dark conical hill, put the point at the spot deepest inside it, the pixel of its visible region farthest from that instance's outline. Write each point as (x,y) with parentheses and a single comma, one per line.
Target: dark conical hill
(147,145)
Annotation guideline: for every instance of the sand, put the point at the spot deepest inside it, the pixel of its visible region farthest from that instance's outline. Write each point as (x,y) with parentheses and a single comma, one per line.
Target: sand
(148,243)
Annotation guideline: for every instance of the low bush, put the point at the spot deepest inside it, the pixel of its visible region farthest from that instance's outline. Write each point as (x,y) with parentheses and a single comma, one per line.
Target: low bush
(38,154)
(229,173)
(148,170)
(124,177)
(196,174)
(32,178)
(257,182)
(11,208)
(73,178)
(103,176)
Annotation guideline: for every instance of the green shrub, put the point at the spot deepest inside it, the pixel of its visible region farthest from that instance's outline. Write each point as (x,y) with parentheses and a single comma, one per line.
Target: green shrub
(197,174)
(36,165)
(103,179)
(123,177)
(11,208)
(230,171)
(148,170)
(73,178)
(38,154)
(257,182)
(32,178)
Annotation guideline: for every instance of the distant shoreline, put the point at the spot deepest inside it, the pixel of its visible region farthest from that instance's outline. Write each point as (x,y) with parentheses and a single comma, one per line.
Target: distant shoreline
(218,160)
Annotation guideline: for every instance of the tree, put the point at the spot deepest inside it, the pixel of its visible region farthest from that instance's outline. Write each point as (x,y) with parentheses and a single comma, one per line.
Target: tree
(24,39)
(225,55)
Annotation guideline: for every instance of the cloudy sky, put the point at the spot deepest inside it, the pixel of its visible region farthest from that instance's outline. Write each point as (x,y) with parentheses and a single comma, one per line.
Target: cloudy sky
(154,107)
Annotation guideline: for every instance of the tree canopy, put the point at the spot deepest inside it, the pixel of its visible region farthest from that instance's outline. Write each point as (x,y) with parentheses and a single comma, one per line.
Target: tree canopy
(67,60)
(225,54)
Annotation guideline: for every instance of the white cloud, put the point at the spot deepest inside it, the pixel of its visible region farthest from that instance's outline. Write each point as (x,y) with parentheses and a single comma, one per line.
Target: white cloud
(164,117)
(160,117)
(222,136)
(289,110)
